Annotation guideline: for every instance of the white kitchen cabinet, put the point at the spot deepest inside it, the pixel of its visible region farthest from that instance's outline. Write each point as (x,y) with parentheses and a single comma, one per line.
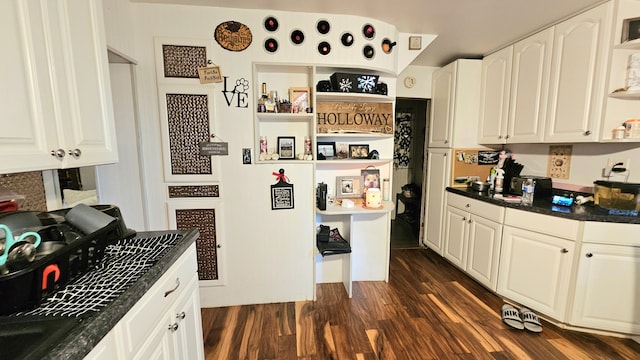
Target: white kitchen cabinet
(455,104)
(577,89)
(105,350)
(473,233)
(494,96)
(57,96)
(438,173)
(535,270)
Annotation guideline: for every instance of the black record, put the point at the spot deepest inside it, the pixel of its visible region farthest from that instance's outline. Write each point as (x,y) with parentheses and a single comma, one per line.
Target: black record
(271,23)
(271,45)
(323,26)
(297,37)
(324,48)
(347,39)
(368,51)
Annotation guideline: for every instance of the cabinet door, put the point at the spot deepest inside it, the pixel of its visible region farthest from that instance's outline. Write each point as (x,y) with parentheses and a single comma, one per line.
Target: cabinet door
(87,130)
(28,120)
(438,169)
(187,338)
(577,89)
(456,231)
(442,92)
(483,250)
(494,96)
(607,290)
(106,349)
(159,344)
(535,270)
(529,87)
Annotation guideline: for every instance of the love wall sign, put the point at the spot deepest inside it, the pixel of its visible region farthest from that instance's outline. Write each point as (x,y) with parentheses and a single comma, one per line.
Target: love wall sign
(354,117)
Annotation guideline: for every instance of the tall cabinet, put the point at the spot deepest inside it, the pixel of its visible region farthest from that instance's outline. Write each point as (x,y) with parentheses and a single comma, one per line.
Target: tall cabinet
(56,89)
(367,230)
(454,117)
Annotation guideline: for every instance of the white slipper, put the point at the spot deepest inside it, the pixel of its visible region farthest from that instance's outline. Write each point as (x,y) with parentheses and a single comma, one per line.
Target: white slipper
(511,317)
(530,320)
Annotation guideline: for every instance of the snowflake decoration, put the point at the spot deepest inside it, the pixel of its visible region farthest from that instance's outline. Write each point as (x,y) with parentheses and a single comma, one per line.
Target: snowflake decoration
(345,85)
(366,83)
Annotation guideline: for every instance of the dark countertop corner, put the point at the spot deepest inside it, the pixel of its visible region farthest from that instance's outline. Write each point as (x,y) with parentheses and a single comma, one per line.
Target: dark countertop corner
(586,212)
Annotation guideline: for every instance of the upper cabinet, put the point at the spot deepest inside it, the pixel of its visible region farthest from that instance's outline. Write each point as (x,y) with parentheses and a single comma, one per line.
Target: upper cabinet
(57,96)
(456,98)
(578,73)
(549,87)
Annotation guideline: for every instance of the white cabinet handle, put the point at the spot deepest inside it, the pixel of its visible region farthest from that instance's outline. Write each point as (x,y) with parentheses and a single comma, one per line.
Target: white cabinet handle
(173,327)
(75,153)
(167,293)
(181,316)
(58,153)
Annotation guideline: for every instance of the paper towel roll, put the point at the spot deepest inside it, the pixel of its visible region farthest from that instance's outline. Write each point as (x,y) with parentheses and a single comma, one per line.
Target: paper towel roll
(633,73)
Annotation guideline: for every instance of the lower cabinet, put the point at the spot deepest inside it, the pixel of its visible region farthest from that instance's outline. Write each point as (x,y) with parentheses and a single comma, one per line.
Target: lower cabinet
(607,292)
(164,324)
(535,270)
(437,170)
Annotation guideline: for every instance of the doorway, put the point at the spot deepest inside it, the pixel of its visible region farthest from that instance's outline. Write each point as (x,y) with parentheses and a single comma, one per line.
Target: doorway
(411,121)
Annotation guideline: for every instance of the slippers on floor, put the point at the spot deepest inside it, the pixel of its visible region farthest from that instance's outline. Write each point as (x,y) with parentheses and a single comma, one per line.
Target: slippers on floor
(511,317)
(530,320)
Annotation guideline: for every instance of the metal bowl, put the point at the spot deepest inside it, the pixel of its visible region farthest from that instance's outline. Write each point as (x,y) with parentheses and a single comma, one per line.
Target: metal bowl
(480,186)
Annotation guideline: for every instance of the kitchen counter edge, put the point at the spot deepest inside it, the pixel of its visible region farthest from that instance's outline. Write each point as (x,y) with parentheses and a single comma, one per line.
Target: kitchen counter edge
(88,333)
(577,212)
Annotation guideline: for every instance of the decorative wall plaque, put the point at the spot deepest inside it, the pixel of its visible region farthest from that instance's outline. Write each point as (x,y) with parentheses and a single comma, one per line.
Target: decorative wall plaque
(233,36)
(354,117)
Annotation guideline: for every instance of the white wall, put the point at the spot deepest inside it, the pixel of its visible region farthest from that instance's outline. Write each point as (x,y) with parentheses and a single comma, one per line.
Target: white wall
(422,87)
(268,255)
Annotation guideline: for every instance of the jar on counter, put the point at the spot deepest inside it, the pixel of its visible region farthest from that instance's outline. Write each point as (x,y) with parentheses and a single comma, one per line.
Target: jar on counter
(632,128)
(618,133)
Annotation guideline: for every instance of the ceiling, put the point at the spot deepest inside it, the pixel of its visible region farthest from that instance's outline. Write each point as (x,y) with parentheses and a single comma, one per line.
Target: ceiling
(465,28)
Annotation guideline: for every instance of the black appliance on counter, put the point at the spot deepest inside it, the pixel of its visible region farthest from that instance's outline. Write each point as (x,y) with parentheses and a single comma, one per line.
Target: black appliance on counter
(543,185)
(72,242)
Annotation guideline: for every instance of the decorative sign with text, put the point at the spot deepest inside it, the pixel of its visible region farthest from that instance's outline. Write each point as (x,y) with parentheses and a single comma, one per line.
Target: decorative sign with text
(214,148)
(354,117)
(210,74)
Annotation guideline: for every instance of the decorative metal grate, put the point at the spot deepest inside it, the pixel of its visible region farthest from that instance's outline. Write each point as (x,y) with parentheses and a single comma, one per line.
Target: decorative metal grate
(188,121)
(205,221)
(189,191)
(183,61)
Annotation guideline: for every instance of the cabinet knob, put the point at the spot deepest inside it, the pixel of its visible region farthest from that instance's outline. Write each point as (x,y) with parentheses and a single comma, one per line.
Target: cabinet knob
(588,254)
(446,141)
(219,246)
(564,250)
(75,153)
(173,327)
(181,316)
(464,218)
(470,221)
(468,205)
(506,136)
(499,136)
(58,153)
(587,133)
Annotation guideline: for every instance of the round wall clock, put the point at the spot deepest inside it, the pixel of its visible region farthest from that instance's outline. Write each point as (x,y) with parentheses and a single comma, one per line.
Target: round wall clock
(409,82)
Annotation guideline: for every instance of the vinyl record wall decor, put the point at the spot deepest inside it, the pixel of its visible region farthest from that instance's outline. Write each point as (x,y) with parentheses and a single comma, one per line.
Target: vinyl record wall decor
(297,37)
(271,24)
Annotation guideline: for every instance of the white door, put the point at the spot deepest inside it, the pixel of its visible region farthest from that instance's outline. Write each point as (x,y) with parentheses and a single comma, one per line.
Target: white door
(535,270)
(494,96)
(607,292)
(438,170)
(483,254)
(442,106)
(579,69)
(456,232)
(529,87)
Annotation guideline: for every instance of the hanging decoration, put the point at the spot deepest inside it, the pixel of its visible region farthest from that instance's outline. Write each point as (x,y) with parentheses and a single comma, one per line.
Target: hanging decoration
(281,192)
(210,73)
(402,140)
(233,36)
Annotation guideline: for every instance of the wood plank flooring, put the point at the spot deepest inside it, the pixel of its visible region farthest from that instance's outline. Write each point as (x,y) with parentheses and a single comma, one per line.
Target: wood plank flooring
(428,310)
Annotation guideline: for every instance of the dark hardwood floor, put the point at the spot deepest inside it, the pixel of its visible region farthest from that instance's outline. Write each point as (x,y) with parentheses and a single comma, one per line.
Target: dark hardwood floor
(428,310)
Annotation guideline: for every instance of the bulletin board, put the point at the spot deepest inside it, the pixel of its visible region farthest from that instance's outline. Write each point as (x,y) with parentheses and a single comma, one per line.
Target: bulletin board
(471,162)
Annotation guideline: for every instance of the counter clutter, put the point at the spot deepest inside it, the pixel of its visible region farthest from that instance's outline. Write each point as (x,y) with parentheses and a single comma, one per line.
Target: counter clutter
(82,322)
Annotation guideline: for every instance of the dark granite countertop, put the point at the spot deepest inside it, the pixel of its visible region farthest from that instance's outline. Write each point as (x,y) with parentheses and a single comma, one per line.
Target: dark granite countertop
(586,212)
(85,333)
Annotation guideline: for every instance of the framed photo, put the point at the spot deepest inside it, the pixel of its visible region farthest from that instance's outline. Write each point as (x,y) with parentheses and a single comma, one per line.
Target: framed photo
(358,151)
(300,99)
(326,150)
(348,187)
(370,178)
(630,29)
(415,42)
(246,156)
(287,147)
(282,196)
(342,150)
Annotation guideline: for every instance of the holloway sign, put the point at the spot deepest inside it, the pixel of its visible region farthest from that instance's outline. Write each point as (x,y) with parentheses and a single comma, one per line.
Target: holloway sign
(354,117)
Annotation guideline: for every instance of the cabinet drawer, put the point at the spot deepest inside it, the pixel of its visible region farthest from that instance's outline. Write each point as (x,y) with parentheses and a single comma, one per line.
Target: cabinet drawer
(544,224)
(611,233)
(476,207)
(138,323)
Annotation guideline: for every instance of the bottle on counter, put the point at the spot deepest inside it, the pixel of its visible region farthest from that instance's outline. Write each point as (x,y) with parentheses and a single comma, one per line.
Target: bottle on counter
(499,181)
(528,189)
(262,99)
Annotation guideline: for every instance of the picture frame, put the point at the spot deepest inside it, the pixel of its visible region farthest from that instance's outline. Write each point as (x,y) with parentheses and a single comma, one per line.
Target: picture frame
(342,150)
(326,150)
(630,29)
(300,98)
(348,187)
(358,151)
(286,147)
(415,42)
(370,178)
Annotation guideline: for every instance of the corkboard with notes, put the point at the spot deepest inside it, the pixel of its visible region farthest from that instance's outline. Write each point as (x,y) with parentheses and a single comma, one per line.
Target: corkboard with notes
(467,164)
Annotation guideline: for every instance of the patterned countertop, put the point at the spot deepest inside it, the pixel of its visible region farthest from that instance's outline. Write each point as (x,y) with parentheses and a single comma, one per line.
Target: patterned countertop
(129,269)
(586,212)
